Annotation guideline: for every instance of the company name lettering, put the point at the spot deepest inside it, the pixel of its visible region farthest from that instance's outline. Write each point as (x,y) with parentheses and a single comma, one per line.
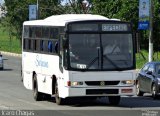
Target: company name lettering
(41,63)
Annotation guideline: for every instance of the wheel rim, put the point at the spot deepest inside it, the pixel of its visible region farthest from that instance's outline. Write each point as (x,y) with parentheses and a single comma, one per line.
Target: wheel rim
(35,90)
(153,90)
(137,89)
(56,92)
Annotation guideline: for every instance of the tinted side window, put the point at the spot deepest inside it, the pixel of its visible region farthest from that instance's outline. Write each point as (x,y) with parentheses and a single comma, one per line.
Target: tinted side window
(157,69)
(145,68)
(53,33)
(38,32)
(40,39)
(36,45)
(29,44)
(32,32)
(26,32)
(45,32)
(24,44)
(44,45)
(151,68)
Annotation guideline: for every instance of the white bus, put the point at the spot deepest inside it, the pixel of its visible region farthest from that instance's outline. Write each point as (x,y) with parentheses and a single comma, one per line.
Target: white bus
(78,55)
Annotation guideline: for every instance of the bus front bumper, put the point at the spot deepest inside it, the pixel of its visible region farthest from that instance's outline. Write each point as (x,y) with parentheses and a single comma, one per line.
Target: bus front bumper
(100,92)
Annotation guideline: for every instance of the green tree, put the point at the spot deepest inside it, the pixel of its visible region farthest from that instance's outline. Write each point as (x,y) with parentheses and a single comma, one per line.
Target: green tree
(128,10)
(76,7)
(50,7)
(156,25)
(18,12)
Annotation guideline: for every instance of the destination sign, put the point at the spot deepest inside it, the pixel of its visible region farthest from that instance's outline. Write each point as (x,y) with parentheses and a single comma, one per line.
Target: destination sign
(83,27)
(115,27)
(94,27)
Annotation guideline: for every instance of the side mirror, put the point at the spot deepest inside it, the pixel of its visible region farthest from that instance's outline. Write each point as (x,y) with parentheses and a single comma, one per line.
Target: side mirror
(149,72)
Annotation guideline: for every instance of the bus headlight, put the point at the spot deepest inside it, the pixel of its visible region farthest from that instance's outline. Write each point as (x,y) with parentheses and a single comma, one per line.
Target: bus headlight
(76,83)
(130,82)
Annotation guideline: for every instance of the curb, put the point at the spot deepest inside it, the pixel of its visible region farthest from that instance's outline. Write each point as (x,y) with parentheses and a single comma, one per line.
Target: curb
(11,54)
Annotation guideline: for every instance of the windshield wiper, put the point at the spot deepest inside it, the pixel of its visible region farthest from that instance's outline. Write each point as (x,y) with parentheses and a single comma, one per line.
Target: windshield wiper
(108,59)
(92,62)
(95,59)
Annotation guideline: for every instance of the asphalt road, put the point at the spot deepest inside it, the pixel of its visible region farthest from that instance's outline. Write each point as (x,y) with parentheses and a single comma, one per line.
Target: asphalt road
(14,96)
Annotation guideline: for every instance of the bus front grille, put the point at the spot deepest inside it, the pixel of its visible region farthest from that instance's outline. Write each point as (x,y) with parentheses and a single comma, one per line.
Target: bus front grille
(101,83)
(101,91)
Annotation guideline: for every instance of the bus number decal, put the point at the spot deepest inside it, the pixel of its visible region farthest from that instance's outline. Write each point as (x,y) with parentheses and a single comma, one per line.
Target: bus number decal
(81,66)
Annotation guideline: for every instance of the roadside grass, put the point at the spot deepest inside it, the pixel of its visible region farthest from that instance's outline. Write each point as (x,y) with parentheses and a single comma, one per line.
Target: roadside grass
(142,58)
(7,44)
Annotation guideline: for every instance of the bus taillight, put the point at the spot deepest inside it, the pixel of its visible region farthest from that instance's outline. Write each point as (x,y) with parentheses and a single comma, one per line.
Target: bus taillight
(68,83)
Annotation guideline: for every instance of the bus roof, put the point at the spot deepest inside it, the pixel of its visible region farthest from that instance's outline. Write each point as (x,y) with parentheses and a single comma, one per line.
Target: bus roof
(61,20)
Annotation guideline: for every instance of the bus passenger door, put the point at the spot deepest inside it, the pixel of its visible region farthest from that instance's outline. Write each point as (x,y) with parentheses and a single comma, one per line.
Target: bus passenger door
(62,52)
(61,61)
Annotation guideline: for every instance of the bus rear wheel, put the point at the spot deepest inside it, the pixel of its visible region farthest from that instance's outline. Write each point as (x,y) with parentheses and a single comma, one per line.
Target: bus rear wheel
(59,100)
(114,100)
(37,95)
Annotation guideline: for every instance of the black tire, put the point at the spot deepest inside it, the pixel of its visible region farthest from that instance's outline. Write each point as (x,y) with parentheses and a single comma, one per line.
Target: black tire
(154,92)
(37,95)
(114,100)
(59,100)
(138,91)
(47,96)
(21,74)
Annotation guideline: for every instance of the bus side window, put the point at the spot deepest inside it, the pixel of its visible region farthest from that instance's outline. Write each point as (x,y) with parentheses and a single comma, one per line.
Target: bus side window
(26,32)
(45,32)
(32,32)
(42,45)
(29,44)
(53,33)
(50,46)
(56,47)
(38,32)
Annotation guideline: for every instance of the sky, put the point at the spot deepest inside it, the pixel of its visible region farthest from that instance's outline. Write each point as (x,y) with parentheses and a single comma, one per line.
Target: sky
(64,1)
(1,1)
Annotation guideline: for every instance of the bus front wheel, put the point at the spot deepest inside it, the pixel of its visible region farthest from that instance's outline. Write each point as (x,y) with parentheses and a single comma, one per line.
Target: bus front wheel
(138,91)
(59,100)
(37,95)
(114,100)
(154,92)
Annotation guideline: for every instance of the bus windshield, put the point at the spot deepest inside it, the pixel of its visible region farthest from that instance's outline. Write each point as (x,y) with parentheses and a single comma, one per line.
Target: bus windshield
(101,51)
